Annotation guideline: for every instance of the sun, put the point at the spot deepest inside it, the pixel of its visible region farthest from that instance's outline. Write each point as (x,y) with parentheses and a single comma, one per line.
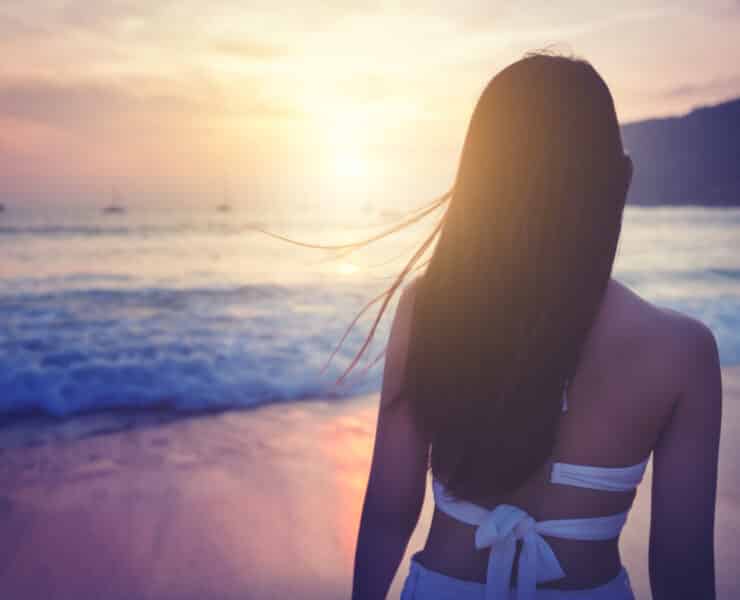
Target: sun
(347,268)
(347,140)
(349,164)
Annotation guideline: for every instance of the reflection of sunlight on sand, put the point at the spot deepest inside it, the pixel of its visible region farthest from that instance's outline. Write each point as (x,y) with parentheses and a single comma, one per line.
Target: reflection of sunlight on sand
(346,441)
(240,505)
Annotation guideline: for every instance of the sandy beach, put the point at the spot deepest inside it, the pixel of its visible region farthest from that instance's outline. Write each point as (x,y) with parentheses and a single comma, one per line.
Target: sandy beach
(251,504)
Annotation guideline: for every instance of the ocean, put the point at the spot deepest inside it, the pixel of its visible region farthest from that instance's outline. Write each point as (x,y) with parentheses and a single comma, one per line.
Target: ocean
(193,310)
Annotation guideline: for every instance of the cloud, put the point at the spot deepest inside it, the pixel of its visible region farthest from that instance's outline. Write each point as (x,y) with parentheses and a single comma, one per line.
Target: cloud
(76,103)
(249,49)
(12,28)
(52,14)
(96,15)
(719,9)
(725,86)
(52,102)
(84,104)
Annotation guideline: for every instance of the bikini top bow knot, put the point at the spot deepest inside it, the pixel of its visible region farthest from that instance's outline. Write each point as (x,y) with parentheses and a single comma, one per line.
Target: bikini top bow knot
(500,530)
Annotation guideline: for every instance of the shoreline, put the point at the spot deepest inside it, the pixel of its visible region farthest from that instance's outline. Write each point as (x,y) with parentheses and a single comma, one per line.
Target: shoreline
(256,503)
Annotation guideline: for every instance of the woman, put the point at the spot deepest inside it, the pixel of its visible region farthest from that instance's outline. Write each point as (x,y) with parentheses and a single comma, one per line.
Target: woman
(533,384)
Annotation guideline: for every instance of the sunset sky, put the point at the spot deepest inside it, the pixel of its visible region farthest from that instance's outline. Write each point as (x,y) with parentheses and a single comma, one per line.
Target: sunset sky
(172,101)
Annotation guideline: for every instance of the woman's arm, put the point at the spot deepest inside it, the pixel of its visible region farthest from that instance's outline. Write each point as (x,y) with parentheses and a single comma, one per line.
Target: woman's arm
(395,488)
(685,476)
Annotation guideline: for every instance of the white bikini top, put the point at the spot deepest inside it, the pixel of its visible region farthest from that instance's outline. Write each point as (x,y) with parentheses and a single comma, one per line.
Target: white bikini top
(500,528)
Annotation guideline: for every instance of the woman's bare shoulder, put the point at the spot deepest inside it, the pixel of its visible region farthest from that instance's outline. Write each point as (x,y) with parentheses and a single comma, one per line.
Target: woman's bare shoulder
(672,326)
(661,334)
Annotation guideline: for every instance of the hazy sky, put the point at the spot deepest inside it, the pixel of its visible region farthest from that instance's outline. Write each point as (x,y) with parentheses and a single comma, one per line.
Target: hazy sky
(172,99)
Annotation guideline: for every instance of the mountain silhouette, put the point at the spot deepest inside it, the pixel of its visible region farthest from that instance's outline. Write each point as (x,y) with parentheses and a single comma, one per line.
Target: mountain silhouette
(693,159)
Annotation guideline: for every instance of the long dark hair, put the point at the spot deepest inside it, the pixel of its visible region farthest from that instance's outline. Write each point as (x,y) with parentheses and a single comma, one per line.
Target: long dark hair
(523,256)
(519,271)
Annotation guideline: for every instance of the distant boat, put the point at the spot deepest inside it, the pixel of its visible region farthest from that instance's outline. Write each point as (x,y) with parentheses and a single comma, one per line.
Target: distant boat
(114,210)
(225,205)
(2,208)
(116,206)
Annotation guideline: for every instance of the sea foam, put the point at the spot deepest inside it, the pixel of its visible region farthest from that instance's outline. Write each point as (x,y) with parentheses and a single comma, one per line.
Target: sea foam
(196,349)
(194,312)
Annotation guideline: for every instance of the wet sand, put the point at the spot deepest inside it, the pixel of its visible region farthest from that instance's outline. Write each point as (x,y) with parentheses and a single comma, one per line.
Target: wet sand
(253,505)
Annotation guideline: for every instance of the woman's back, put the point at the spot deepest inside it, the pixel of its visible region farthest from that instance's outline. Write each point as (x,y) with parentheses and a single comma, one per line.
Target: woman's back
(619,402)
(517,304)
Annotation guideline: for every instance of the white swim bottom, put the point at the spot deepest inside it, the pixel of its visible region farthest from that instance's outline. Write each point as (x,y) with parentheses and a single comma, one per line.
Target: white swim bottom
(423,584)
